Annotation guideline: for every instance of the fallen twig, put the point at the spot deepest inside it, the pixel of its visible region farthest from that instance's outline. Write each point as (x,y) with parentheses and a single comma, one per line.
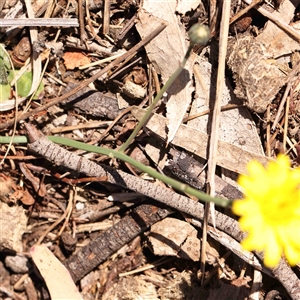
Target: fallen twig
(32,22)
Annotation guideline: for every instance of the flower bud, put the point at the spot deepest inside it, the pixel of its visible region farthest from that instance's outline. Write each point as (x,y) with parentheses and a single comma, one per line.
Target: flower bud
(199,34)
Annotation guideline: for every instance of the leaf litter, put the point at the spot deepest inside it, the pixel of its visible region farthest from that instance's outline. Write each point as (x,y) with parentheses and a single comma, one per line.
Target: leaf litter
(39,204)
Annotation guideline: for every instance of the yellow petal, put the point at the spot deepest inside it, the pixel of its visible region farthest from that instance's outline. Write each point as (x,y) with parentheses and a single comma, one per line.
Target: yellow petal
(273,251)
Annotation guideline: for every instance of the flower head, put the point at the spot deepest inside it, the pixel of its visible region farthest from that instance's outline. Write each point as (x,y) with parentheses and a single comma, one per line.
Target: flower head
(270,210)
(199,34)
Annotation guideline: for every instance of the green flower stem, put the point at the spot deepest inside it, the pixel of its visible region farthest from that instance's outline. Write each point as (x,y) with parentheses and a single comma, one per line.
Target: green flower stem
(156,99)
(15,140)
(122,156)
(198,34)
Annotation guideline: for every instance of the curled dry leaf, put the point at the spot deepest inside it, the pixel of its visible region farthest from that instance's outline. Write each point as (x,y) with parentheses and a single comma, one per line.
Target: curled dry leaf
(75,59)
(26,198)
(10,193)
(135,83)
(133,90)
(38,186)
(138,76)
(21,52)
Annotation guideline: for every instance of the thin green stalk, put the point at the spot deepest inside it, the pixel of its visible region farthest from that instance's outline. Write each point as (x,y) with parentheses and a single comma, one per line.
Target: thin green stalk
(122,156)
(155,101)
(15,140)
(199,34)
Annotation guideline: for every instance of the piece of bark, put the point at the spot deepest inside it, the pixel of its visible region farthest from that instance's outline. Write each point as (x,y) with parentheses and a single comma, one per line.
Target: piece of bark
(173,237)
(93,103)
(192,172)
(98,250)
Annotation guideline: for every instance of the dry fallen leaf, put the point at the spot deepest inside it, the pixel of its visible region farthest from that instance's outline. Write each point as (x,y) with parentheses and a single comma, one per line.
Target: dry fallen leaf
(230,156)
(279,43)
(166,52)
(75,59)
(56,276)
(237,126)
(11,193)
(186,6)
(27,198)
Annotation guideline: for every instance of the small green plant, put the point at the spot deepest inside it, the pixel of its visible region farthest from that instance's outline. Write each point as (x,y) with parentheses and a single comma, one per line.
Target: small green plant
(7,76)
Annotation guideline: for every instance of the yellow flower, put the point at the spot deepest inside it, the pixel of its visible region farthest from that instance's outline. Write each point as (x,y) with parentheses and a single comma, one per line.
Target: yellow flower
(270,210)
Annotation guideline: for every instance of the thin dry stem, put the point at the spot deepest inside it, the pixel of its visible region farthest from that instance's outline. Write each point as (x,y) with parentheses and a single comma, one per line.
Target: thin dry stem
(214,138)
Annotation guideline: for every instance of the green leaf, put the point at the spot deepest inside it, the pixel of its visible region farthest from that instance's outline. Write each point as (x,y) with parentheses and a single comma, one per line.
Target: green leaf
(4,59)
(24,84)
(7,75)
(3,67)
(5,90)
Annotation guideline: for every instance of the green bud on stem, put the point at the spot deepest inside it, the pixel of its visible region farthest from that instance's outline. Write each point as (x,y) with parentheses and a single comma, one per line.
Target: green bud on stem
(199,34)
